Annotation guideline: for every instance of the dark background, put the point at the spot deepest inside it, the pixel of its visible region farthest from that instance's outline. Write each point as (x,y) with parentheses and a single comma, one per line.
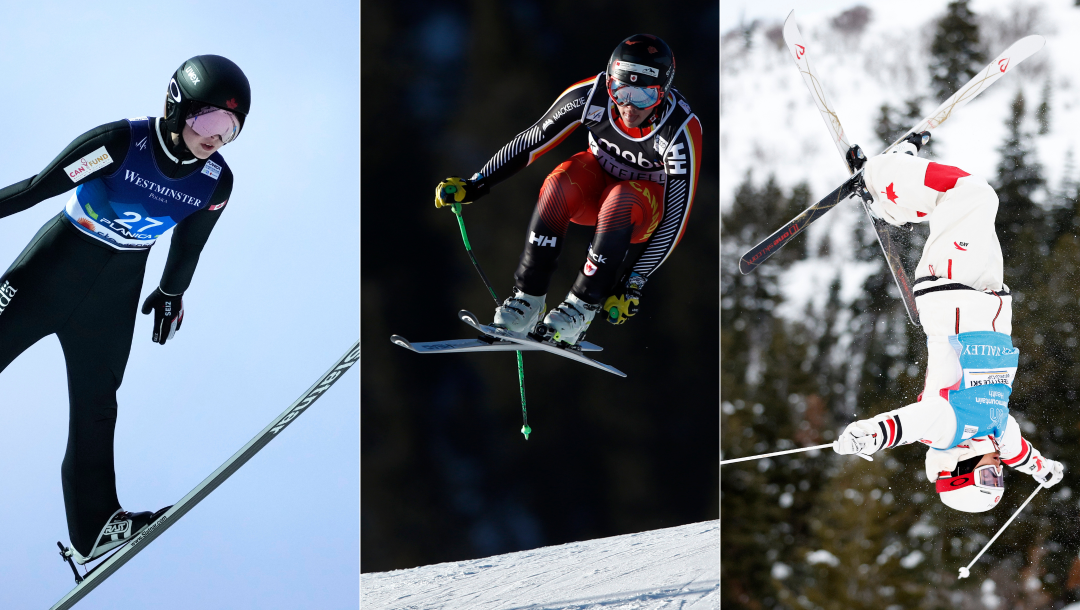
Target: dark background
(445,473)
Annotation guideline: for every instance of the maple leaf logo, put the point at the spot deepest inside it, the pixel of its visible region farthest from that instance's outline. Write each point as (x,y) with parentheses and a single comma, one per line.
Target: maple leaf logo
(231,103)
(890,193)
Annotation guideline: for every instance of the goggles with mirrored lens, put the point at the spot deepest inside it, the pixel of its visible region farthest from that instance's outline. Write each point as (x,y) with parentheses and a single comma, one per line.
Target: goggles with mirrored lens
(990,476)
(639,97)
(215,122)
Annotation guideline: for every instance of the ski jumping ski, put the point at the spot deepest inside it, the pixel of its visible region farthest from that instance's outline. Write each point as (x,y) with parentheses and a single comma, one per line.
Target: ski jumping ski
(112,563)
(1016,53)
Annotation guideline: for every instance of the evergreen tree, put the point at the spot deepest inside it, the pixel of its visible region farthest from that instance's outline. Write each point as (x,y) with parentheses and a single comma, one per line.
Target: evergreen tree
(955,51)
(1020,220)
(1043,112)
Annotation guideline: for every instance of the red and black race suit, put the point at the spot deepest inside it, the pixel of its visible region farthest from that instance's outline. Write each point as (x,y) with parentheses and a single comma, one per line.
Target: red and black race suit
(636,185)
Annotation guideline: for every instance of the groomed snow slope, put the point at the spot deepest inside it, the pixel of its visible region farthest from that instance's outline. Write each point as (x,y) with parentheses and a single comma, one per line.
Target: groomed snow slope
(673,568)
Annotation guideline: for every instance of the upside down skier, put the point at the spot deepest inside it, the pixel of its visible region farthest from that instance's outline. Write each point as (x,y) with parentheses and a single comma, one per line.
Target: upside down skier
(635,183)
(966,312)
(80,277)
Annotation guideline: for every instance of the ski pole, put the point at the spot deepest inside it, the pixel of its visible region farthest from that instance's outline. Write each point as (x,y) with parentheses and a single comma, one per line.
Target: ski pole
(964,571)
(456,207)
(765,455)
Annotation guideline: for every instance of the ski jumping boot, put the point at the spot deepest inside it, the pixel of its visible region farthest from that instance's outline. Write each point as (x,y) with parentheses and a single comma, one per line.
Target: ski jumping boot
(568,322)
(520,312)
(122,527)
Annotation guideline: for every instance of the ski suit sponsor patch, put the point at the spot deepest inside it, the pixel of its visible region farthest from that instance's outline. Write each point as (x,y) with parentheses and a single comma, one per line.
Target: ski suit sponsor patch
(88,164)
(981,400)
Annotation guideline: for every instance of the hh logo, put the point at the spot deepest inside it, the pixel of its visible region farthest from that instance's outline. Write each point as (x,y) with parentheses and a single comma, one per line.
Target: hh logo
(542,240)
(1003,64)
(890,193)
(961,245)
(799,51)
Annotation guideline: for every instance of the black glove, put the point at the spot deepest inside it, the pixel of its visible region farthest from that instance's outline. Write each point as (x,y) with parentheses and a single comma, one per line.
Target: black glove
(456,190)
(620,307)
(168,314)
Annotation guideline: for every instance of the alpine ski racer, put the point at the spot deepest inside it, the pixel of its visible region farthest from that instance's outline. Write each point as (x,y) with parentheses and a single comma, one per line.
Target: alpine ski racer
(965,309)
(81,276)
(635,183)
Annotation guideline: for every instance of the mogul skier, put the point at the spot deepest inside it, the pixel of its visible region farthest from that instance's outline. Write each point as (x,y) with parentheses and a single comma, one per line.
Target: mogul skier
(966,312)
(81,276)
(635,183)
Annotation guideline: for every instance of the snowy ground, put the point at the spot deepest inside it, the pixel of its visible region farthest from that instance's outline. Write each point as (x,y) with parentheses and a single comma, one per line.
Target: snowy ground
(673,568)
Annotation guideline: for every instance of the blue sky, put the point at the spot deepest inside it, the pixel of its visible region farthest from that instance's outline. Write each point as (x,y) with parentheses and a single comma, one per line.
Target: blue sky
(273,304)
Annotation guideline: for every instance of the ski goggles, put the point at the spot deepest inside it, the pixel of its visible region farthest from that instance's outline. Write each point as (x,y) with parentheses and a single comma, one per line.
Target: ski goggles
(639,97)
(210,122)
(989,476)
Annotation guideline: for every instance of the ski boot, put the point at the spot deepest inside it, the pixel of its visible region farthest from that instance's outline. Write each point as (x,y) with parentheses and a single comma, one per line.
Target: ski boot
(520,312)
(121,527)
(568,322)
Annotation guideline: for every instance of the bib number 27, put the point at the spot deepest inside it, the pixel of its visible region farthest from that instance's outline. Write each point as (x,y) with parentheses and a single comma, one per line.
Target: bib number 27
(135,218)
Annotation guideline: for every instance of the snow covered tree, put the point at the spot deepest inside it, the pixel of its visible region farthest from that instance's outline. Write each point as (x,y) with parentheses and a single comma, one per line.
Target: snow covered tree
(955,51)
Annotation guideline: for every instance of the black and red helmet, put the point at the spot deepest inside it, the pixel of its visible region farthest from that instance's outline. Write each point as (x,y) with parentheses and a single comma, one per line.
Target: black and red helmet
(643,62)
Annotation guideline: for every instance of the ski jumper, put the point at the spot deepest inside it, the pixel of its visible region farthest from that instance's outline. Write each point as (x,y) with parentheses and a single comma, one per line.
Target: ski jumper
(965,310)
(635,185)
(80,278)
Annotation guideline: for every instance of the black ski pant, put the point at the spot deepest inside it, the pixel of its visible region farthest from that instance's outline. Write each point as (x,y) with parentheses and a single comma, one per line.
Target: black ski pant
(87,293)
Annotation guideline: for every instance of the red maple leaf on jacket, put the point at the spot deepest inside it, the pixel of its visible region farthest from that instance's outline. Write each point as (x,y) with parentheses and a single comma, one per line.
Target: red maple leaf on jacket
(890,193)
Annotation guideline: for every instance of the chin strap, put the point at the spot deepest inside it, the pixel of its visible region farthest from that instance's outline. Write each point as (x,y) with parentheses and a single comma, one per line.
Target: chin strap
(181,149)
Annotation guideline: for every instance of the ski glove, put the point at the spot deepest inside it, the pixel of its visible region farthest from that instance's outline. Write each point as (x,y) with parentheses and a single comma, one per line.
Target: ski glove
(456,190)
(620,307)
(168,314)
(1045,471)
(859,437)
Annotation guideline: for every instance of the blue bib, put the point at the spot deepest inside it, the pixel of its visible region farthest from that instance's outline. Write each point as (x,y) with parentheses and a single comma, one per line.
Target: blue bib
(135,204)
(981,402)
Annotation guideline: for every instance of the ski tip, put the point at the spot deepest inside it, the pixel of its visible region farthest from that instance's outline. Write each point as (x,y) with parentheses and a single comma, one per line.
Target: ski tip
(402,341)
(469,318)
(789,16)
(745,267)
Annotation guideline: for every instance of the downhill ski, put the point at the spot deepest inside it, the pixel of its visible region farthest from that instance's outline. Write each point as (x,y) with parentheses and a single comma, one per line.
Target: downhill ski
(572,352)
(483,343)
(87,583)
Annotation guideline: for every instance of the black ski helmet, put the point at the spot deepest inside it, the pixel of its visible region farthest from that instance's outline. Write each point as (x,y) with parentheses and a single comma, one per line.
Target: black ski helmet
(643,60)
(206,80)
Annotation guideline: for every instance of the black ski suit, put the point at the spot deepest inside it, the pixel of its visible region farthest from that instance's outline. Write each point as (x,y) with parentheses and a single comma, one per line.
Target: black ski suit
(80,277)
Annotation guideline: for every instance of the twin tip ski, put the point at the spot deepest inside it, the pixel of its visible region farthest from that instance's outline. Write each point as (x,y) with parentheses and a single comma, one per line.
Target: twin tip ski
(1003,63)
(87,583)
